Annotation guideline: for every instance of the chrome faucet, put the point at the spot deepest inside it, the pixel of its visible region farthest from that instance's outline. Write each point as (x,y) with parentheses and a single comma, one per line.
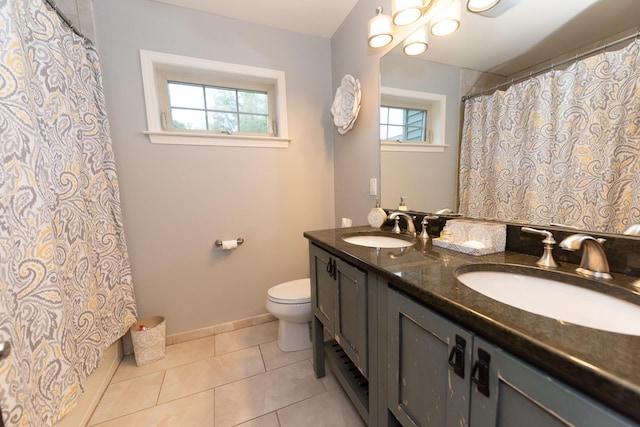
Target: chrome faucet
(411,228)
(632,230)
(445,211)
(594,261)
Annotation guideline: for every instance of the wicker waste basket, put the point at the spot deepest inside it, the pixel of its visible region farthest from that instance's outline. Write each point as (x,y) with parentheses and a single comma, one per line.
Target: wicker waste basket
(148,337)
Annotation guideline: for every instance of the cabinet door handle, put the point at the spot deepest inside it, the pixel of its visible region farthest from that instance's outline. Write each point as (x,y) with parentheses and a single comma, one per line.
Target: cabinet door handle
(456,357)
(332,269)
(480,373)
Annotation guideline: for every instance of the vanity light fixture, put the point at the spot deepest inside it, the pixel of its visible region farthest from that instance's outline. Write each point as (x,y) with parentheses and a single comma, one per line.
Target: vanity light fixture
(380,32)
(416,43)
(490,8)
(405,12)
(447,21)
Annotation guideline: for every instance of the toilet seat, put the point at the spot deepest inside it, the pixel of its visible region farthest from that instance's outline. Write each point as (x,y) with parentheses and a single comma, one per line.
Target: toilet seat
(293,292)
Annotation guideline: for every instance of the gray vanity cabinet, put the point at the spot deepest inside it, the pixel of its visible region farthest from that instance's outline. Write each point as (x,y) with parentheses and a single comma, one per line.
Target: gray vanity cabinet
(351,313)
(403,364)
(324,288)
(339,300)
(443,375)
(429,365)
(509,392)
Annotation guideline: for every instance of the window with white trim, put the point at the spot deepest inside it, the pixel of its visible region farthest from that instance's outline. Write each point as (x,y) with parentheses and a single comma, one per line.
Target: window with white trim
(412,120)
(200,102)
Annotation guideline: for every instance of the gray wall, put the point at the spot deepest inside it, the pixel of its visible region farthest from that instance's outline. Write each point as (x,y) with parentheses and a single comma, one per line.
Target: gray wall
(357,153)
(177,200)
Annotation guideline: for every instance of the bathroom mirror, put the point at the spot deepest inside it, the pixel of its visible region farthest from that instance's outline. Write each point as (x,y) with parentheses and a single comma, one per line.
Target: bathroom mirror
(478,57)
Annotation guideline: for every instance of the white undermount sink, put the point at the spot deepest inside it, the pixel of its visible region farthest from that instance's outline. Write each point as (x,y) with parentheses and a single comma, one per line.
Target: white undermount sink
(377,241)
(555,299)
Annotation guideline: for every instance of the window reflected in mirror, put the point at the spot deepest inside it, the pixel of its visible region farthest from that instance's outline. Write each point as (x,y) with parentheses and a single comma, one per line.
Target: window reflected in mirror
(411,120)
(401,124)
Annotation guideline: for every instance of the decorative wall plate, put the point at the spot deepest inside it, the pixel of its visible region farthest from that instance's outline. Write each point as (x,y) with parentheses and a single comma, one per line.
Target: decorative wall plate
(346,104)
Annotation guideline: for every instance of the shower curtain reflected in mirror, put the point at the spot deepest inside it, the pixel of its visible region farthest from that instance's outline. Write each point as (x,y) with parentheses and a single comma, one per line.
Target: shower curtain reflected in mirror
(66,290)
(562,147)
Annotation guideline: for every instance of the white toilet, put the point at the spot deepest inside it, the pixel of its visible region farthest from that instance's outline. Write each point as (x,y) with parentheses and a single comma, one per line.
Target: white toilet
(290,302)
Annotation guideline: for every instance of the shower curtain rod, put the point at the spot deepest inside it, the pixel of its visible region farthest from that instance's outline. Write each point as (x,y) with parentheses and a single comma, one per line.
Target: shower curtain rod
(52,5)
(552,66)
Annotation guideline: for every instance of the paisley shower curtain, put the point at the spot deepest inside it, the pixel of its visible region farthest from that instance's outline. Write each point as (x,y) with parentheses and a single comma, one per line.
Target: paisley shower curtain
(562,147)
(65,282)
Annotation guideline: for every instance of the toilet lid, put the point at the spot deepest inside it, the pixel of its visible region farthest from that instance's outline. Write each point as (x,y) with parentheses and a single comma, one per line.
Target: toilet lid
(294,292)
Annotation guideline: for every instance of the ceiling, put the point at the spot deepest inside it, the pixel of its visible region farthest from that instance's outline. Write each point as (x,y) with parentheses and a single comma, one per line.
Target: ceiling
(313,17)
(532,32)
(529,33)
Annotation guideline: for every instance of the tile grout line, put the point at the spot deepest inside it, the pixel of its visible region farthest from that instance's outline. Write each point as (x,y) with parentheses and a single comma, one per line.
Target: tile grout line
(266,353)
(264,364)
(164,377)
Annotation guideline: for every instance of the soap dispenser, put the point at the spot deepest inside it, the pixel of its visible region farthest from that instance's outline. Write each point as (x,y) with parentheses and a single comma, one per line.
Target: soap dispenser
(377,216)
(403,206)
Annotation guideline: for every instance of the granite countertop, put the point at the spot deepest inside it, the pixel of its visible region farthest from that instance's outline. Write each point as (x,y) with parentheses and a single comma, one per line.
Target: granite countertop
(603,365)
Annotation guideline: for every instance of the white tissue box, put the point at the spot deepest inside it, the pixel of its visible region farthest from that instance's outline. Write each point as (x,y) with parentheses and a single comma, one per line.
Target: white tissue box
(474,237)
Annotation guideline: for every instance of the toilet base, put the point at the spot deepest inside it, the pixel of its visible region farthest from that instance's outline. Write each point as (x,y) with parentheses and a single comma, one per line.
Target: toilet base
(293,336)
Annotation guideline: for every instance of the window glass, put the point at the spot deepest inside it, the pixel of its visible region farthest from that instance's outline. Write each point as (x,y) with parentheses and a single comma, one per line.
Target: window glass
(188,119)
(222,122)
(396,116)
(186,95)
(253,102)
(254,123)
(218,109)
(221,99)
(403,124)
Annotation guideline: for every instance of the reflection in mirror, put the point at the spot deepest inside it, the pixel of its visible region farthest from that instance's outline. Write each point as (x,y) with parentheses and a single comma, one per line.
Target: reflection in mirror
(412,120)
(424,172)
(539,34)
(559,147)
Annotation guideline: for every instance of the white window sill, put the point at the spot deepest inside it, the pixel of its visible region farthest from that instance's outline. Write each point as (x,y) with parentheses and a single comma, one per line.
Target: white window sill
(216,140)
(411,147)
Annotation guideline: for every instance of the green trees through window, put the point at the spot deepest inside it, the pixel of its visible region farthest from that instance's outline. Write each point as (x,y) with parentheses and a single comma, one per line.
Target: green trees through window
(218,109)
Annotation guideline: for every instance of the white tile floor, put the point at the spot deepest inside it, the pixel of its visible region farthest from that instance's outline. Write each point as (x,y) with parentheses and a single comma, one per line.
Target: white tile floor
(238,378)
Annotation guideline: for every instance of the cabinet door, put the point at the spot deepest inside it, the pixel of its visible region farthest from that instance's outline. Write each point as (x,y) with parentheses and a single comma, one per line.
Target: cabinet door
(509,392)
(429,366)
(323,287)
(351,320)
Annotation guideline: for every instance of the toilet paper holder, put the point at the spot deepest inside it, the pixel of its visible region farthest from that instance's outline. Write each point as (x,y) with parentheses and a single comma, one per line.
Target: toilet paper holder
(218,242)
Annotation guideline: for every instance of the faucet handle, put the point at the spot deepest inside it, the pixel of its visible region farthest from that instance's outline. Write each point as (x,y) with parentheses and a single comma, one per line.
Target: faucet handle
(424,234)
(546,260)
(548,235)
(396,228)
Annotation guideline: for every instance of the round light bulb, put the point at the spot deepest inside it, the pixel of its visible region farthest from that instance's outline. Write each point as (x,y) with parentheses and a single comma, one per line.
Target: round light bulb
(406,12)
(477,6)
(415,48)
(416,43)
(380,29)
(447,21)
(444,27)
